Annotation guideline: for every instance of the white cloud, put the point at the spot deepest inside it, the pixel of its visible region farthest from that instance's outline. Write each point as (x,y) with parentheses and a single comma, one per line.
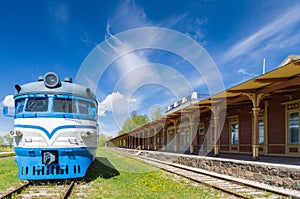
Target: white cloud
(110,101)
(107,103)
(282,24)
(9,101)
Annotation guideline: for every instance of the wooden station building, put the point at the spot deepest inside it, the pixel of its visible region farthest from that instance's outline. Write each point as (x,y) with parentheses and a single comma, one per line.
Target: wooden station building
(258,117)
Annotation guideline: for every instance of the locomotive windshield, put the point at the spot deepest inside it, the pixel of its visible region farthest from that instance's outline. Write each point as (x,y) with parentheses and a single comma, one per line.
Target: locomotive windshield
(56,106)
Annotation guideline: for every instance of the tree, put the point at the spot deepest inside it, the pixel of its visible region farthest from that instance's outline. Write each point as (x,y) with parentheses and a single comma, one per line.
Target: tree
(9,140)
(156,113)
(1,140)
(133,122)
(103,138)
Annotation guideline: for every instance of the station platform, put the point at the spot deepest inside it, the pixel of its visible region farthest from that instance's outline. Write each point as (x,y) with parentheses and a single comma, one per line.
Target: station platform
(282,160)
(271,170)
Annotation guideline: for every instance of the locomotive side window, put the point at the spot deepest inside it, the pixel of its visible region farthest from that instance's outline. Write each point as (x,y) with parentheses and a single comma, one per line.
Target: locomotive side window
(19,105)
(64,105)
(37,105)
(87,108)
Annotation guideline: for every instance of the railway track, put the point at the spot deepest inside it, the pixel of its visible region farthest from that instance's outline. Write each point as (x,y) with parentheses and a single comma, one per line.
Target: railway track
(233,186)
(41,190)
(7,154)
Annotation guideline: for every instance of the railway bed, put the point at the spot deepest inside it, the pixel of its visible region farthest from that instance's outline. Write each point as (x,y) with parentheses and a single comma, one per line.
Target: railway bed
(6,154)
(231,185)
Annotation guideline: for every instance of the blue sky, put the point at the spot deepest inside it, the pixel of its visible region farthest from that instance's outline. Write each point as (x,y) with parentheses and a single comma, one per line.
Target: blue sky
(41,36)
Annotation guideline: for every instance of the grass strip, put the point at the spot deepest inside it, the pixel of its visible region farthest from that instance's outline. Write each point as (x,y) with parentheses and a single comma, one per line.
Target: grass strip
(8,173)
(116,176)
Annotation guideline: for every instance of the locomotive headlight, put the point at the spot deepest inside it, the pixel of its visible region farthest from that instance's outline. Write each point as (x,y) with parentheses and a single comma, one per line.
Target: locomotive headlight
(86,134)
(51,80)
(18,133)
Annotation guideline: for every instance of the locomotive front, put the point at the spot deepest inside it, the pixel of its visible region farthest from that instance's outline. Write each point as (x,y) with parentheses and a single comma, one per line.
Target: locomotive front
(55,129)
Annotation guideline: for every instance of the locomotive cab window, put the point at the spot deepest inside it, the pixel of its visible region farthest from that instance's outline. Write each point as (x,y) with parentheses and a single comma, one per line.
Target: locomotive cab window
(37,105)
(87,108)
(19,105)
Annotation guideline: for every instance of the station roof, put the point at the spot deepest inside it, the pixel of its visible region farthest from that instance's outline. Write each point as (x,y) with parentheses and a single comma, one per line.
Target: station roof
(285,78)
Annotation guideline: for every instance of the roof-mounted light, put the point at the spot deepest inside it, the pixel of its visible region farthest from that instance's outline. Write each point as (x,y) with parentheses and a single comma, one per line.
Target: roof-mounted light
(51,80)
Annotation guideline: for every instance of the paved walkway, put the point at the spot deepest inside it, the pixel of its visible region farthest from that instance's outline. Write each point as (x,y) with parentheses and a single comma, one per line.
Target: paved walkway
(265,159)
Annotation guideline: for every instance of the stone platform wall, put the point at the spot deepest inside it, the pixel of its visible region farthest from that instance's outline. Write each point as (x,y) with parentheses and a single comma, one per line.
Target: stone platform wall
(273,174)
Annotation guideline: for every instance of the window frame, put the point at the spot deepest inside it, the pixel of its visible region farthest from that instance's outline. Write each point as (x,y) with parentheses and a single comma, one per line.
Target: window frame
(291,107)
(29,109)
(288,127)
(234,120)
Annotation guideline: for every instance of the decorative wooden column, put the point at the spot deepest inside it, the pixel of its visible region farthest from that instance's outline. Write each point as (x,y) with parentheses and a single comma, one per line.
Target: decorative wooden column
(148,137)
(256,99)
(154,139)
(191,137)
(143,140)
(165,139)
(175,137)
(192,133)
(134,140)
(217,129)
(138,140)
(255,145)
(216,112)
(159,139)
(266,124)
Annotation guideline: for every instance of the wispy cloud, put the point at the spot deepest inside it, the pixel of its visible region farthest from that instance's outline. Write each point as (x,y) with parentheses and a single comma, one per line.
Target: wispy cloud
(61,12)
(9,101)
(284,22)
(244,72)
(127,16)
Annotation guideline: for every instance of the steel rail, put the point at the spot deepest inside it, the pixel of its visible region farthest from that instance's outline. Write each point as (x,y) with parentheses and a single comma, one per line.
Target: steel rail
(68,191)
(17,190)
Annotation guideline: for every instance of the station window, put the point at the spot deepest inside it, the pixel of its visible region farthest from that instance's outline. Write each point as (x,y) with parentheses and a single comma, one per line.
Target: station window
(64,105)
(261,131)
(201,130)
(234,130)
(187,138)
(37,105)
(293,128)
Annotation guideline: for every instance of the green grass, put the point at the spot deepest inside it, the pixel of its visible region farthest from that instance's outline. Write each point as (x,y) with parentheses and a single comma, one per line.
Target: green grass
(116,176)
(8,173)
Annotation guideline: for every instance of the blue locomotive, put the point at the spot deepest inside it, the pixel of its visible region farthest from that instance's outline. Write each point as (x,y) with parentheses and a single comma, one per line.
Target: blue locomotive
(55,129)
